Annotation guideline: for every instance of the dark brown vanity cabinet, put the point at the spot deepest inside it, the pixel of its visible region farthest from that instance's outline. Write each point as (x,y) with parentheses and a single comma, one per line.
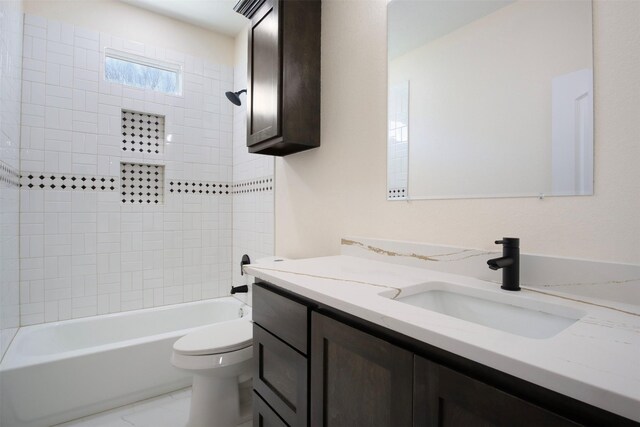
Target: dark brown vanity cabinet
(317,366)
(280,368)
(283,93)
(444,397)
(357,379)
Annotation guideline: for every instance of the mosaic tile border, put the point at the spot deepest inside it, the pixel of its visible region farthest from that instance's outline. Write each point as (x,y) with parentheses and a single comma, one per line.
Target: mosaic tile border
(198,187)
(397,193)
(255,185)
(9,175)
(67,181)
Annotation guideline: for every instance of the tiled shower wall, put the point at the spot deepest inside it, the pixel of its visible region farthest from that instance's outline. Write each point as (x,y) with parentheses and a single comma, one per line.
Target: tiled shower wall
(87,251)
(10,76)
(253,179)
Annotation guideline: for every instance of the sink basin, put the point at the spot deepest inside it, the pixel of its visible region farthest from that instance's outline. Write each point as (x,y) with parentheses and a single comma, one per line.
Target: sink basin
(497,310)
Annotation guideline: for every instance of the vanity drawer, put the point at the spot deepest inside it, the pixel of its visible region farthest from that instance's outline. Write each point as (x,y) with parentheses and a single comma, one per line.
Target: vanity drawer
(263,415)
(282,316)
(280,376)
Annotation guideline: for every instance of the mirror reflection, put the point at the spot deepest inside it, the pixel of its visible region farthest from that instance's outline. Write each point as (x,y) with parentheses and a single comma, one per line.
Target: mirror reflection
(489,98)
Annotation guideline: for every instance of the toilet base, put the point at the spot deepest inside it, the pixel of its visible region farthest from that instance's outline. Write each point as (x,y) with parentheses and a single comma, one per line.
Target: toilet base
(214,402)
(218,395)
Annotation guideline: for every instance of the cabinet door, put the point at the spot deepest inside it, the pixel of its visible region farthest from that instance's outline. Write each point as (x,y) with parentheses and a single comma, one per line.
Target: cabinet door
(444,397)
(356,378)
(263,93)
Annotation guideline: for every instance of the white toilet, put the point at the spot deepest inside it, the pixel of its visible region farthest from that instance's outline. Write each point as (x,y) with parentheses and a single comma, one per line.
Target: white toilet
(219,358)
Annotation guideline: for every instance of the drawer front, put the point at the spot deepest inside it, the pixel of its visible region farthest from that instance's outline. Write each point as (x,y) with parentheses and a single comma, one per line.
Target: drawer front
(283,317)
(280,376)
(263,415)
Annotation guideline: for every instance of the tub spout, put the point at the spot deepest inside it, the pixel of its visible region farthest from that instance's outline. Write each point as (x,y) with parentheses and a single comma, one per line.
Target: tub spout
(239,289)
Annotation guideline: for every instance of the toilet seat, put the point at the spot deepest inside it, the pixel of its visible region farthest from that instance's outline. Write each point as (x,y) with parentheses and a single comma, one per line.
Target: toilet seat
(222,364)
(216,339)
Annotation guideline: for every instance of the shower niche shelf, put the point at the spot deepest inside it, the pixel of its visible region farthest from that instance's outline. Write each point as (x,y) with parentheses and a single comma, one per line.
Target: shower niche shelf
(142,183)
(142,133)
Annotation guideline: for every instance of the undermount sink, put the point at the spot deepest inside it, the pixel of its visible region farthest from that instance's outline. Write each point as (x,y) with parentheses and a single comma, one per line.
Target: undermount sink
(497,310)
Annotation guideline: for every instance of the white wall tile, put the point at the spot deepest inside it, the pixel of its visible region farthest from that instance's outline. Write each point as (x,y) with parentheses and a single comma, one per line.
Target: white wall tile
(98,255)
(35,31)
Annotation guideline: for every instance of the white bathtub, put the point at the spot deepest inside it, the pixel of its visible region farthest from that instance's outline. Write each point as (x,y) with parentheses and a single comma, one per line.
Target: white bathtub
(61,371)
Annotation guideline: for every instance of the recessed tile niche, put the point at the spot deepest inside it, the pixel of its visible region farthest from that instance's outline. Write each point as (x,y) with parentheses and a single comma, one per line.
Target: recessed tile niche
(142,132)
(142,183)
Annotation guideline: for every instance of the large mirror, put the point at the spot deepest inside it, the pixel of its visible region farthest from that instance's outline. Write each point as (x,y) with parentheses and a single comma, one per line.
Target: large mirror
(489,98)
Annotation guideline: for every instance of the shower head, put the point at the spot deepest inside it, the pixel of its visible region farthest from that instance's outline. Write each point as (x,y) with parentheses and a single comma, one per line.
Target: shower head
(234,97)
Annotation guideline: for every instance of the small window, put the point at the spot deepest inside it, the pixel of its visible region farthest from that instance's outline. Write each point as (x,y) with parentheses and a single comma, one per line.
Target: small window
(141,72)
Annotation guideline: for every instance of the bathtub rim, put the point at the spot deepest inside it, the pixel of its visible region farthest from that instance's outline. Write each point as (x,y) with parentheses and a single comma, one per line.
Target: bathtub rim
(13,360)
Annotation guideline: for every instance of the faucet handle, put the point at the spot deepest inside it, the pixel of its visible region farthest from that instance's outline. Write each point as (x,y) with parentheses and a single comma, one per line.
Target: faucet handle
(512,242)
(245,260)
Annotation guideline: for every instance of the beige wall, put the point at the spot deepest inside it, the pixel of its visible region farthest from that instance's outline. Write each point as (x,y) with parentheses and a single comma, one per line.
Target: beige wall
(240,55)
(132,23)
(339,189)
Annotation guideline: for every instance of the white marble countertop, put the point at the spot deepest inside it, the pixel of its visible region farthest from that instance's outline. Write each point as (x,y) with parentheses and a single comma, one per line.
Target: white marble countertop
(595,360)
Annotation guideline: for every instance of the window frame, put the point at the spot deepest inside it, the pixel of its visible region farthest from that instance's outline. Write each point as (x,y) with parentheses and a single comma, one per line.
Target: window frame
(148,62)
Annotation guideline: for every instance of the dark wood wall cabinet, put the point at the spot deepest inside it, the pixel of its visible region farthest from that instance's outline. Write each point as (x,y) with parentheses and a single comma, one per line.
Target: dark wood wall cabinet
(316,366)
(283,93)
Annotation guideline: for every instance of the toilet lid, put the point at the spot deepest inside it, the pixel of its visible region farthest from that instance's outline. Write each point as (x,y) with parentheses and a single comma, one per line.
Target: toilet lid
(216,338)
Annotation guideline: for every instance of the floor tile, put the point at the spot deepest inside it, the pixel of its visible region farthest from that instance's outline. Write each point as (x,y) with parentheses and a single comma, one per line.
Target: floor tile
(168,410)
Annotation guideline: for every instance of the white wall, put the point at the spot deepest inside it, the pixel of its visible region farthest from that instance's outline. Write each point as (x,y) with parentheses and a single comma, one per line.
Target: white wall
(498,79)
(135,24)
(253,181)
(85,252)
(339,189)
(10,76)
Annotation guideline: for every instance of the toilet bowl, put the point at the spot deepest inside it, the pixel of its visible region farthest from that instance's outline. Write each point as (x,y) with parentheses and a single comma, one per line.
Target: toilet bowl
(219,358)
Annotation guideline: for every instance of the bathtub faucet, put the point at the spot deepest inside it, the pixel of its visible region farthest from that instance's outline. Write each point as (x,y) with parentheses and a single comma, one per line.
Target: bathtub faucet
(245,260)
(239,289)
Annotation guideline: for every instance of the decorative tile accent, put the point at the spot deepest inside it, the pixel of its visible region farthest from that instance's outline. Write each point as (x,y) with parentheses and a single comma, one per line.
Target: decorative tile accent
(199,187)
(253,185)
(140,183)
(397,193)
(48,181)
(9,175)
(398,140)
(142,132)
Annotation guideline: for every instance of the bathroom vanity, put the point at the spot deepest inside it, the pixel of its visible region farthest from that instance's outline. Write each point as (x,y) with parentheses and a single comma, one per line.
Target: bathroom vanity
(334,345)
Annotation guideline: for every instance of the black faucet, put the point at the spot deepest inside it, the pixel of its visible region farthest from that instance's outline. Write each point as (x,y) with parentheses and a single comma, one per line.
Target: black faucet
(244,288)
(509,263)
(239,289)
(244,261)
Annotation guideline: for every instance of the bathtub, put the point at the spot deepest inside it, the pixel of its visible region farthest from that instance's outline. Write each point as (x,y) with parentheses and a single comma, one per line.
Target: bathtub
(60,371)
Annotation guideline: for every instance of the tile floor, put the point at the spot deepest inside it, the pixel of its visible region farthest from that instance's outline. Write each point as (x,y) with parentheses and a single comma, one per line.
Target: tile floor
(168,410)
